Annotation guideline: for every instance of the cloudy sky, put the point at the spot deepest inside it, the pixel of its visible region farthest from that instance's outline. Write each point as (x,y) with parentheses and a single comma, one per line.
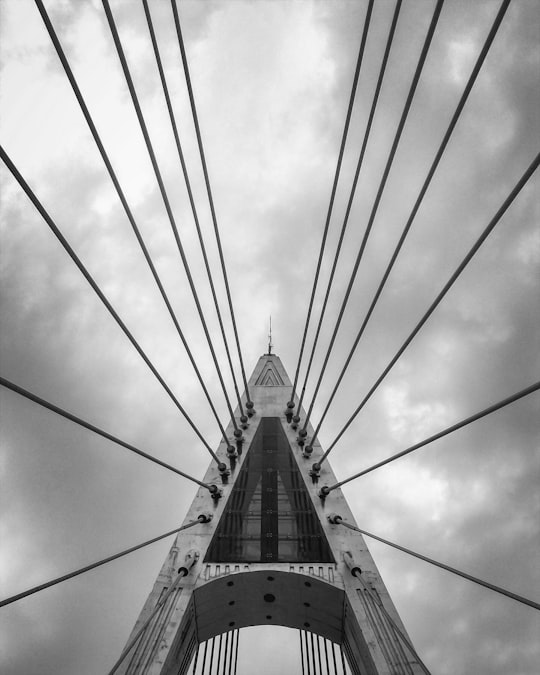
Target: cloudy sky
(272,82)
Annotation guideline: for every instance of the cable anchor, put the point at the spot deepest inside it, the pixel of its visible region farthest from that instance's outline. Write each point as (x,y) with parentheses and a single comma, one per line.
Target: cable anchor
(349,561)
(232,454)
(190,559)
(289,411)
(250,408)
(323,494)
(301,438)
(239,438)
(224,472)
(306,452)
(215,492)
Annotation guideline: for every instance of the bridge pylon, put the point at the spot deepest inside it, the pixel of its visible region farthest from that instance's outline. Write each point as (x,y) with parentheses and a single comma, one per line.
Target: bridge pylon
(269,551)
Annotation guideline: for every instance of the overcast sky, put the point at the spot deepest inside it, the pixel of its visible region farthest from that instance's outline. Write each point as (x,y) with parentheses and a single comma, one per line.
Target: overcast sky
(272,82)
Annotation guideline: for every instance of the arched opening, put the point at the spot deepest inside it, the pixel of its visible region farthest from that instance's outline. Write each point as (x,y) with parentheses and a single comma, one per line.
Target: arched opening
(268,650)
(318,613)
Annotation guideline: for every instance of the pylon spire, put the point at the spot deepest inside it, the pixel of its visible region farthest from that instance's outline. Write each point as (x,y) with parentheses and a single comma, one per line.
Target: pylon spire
(270,345)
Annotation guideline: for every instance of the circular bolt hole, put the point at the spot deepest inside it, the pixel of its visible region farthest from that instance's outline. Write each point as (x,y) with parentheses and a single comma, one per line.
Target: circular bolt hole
(306,604)
(268,616)
(270,578)
(231,602)
(230,583)
(269,597)
(231,623)
(307,583)
(307,625)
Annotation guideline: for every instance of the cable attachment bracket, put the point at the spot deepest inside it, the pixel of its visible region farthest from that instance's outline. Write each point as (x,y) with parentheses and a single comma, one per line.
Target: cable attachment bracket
(239,440)
(232,454)
(295,422)
(244,422)
(306,452)
(224,472)
(250,408)
(315,473)
(190,559)
(323,494)
(349,560)
(333,518)
(205,517)
(289,411)
(302,437)
(215,493)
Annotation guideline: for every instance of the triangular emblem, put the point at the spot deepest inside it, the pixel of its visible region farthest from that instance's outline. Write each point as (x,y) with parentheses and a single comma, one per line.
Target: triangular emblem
(269,516)
(269,376)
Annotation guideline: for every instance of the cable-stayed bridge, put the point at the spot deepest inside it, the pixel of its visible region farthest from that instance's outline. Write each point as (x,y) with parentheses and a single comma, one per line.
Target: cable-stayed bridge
(209,262)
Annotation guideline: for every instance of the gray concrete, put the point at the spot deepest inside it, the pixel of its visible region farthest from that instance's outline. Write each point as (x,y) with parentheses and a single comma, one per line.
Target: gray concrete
(215,598)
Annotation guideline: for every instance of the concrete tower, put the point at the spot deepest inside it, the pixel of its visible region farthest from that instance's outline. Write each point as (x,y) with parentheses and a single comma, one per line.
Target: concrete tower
(269,555)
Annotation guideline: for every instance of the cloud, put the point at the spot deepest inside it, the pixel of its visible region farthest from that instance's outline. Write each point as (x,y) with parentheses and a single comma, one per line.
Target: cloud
(272,82)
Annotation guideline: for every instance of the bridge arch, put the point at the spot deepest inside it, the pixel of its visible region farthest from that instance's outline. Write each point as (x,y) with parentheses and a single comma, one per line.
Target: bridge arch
(268,596)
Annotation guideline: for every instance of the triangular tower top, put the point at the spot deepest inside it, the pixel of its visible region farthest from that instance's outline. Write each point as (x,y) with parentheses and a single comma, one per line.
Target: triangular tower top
(269,372)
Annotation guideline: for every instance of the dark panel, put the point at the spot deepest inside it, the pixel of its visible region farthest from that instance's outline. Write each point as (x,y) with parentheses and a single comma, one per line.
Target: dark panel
(269,516)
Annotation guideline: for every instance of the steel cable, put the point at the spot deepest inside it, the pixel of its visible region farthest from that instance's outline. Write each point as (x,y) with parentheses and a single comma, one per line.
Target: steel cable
(236,651)
(209,192)
(325,644)
(491,225)
(112,174)
(230,652)
(139,633)
(212,654)
(204,656)
(119,191)
(300,632)
(352,96)
(318,644)
(431,172)
(196,659)
(82,570)
(459,425)
(33,198)
(356,572)
(91,427)
(353,190)
(464,575)
(220,644)
(334,657)
(161,185)
(190,193)
(395,143)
